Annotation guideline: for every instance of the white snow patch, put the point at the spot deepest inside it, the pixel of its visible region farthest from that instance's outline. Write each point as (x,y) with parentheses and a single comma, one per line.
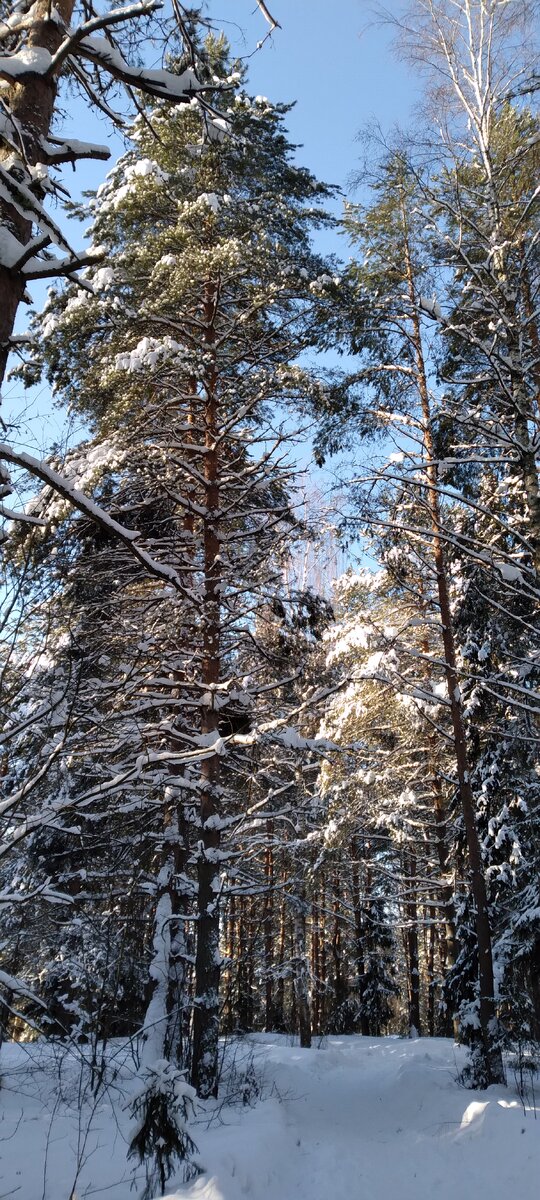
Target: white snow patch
(355,1118)
(509,572)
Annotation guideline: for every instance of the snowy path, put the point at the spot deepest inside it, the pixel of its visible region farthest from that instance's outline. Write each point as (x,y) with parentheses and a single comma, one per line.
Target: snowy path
(356,1119)
(373,1118)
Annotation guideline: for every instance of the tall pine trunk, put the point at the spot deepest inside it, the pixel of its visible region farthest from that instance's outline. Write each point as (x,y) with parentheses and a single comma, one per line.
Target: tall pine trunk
(490,1068)
(204,1071)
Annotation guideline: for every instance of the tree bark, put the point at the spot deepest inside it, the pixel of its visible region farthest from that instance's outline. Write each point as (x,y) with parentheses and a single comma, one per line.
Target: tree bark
(301,975)
(360,936)
(411,939)
(31,104)
(280,989)
(300,960)
(204,1071)
(493,1071)
(268,927)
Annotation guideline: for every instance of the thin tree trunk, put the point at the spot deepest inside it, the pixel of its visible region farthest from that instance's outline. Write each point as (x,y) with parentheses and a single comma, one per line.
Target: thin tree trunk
(315,968)
(360,939)
(413,960)
(280,989)
(340,987)
(243,1002)
(431,981)
(300,959)
(323,956)
(230,953)
(301,975)
(268,928)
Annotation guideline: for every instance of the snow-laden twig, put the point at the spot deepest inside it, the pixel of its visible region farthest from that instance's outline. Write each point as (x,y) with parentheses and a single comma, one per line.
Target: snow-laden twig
(89,508)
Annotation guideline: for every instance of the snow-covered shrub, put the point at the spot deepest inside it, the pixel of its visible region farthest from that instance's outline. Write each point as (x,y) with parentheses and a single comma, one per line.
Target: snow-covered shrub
(161,1108)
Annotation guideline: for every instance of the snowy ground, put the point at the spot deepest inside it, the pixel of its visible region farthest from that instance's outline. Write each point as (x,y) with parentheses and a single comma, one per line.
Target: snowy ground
(354,1119)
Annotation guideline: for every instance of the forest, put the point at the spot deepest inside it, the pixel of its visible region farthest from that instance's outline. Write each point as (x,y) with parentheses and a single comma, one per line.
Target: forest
(269,648)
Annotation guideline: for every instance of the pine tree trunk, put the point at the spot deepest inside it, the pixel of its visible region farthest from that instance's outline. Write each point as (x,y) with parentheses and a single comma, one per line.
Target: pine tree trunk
(315,968)
(300,959)
(447,937)
(301,975)
(323,955)
(207,960)
(492,1067)
(413,960)
(447,934)
(268,929)
(280,989)
(177,840)
(204,1072)
(431,938)
(340,987)
(231,956)
(372,1021)
(359,936)
(243,1005)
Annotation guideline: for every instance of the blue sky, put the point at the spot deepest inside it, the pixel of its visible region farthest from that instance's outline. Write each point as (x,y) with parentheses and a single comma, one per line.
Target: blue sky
(340,72)
(336,62)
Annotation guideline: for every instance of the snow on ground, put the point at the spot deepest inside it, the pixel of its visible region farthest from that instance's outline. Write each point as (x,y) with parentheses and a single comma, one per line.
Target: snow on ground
(352,1119)
(371,1118)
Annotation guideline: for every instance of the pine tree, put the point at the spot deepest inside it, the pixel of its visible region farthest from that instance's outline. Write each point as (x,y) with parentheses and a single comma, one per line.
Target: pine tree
(387,330)
(483,225)
(193,338)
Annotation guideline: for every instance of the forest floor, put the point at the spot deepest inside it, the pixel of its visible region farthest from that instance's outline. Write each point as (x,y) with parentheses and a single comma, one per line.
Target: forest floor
(352,1119)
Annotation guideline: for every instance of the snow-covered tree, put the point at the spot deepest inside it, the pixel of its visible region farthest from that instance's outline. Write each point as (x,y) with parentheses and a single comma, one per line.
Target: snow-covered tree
(393,392)
(193,337)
